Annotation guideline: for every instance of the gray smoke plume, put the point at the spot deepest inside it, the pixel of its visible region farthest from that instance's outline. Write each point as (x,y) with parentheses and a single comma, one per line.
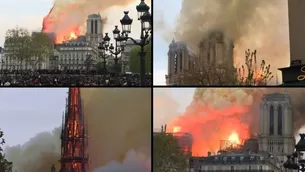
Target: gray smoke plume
(37,154)
(119,129)
(252,24)
(69,13)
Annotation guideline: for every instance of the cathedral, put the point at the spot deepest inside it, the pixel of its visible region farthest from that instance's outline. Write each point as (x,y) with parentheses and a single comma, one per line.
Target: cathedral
(215,51)
(276,126)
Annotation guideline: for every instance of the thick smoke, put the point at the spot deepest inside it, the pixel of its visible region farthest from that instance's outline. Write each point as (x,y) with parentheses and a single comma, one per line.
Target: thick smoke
(119,120)
(215,113)
(133,162)
(165,107)
(252,24)
(37,154)
(119,127)
(73,13)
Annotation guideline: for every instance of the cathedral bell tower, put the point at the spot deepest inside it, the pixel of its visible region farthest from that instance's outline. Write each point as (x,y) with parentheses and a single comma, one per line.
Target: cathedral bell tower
(276,127)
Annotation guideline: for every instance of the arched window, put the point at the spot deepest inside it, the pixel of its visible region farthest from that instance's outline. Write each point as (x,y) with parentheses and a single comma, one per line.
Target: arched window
(271,121)
(280,120)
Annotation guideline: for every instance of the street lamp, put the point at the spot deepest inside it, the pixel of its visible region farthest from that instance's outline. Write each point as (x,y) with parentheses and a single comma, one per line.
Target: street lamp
(145,18)
(117,48)
(102,53)
(296,161)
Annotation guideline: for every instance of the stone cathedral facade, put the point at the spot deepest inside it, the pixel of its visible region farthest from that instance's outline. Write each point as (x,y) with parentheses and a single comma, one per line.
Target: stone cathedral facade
(94,32)
(214,51)
(276,126)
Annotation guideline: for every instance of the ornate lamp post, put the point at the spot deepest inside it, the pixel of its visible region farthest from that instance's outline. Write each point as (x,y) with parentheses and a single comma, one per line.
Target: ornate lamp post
(102,54)
(119,46)
(296,161)
(145,19)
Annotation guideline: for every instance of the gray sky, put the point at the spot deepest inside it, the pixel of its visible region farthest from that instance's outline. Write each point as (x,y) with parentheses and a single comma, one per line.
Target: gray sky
(170,10)
(25,112)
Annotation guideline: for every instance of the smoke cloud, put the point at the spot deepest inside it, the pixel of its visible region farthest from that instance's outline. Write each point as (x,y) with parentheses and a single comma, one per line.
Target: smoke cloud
(119,129)
(165,107)
(119,120)
(133,162)
(37,154)
(252,24)
(215,113)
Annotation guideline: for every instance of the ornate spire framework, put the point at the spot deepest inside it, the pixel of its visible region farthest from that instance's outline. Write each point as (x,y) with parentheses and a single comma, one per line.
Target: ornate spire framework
(74,142)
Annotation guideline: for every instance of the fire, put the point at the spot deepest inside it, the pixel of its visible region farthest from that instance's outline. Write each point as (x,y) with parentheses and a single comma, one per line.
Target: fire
(176,129)
(55,23)
(217,116)
(234,139)
(72,35)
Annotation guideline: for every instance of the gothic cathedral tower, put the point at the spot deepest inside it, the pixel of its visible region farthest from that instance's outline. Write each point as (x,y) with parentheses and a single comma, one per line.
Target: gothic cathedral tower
(276,128)
(94,33)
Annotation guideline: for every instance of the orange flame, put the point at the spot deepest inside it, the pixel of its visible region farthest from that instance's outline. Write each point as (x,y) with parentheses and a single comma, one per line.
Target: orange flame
(51,23)
(234,138)
(176,129)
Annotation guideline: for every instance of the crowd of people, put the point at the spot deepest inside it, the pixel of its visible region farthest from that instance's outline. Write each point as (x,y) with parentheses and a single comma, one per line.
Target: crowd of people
(70,78)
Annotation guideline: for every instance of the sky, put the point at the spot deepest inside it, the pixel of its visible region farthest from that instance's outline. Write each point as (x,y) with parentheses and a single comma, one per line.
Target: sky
(26,112)
(29,14)
(169,10)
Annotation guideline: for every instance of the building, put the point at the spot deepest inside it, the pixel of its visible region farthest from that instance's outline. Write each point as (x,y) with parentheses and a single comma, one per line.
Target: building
(276,128)
(125,56)
(267,152)
(179,60)
(290,74)
(234,162)
(185,141)
(94,34)
(215,52)
(75,55)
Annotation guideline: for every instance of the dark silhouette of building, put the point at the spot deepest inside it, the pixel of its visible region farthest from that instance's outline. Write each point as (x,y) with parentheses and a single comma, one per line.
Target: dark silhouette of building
(294,74)
(74,141)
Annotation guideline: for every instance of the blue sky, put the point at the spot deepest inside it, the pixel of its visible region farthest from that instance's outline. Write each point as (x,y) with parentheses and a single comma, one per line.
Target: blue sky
(29,14)
(170,10)
(25,112)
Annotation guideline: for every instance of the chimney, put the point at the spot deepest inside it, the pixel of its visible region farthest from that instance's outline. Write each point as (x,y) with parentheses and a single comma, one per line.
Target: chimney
(165,128)
(161,128)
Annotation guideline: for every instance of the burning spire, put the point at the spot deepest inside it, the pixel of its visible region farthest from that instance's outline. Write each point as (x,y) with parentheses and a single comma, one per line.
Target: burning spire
(74,142)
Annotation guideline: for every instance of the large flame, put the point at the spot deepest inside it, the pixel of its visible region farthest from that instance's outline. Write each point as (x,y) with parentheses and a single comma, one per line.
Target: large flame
(234,138)
(70,32)
(215,118)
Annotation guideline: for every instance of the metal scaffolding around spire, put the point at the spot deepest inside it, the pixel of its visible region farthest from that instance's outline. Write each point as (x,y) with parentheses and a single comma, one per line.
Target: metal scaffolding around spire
(74,141)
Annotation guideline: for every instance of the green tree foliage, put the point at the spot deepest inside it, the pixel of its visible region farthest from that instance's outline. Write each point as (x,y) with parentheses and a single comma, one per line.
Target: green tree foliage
(21,46)
(134,62)
(5,166)
(252,74)
(167,154)
(41,48)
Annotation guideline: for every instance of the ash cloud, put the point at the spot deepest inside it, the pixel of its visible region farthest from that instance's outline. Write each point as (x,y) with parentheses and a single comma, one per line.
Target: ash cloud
(119,120)
(254,24)
(37,154)
(119,128)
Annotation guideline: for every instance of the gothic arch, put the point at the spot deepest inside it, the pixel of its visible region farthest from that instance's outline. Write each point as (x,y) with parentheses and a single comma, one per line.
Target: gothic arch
(271,120)
(280,120)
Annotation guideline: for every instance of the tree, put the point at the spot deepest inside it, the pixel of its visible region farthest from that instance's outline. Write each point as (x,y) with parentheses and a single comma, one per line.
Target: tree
(17,44)
(167,154)
(134,61)
(211,74)
(5,165)
(22,47)
(41,48)
(252,75)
